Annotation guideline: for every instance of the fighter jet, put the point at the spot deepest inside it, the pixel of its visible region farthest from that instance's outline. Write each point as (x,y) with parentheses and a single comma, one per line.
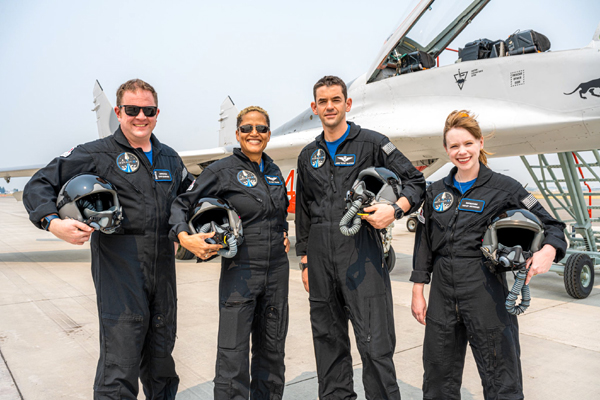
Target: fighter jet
(529,101)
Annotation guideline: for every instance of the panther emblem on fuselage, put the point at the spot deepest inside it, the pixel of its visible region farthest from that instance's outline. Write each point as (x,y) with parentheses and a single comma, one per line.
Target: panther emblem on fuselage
(591,87)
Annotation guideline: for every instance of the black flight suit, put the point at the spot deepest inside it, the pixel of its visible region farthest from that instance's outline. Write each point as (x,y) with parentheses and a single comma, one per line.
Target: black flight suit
(253,289)
(347,276)
(466,301)
(134,268)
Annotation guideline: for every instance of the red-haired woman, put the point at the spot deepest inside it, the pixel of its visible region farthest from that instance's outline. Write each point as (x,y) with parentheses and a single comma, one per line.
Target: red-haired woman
(467,300)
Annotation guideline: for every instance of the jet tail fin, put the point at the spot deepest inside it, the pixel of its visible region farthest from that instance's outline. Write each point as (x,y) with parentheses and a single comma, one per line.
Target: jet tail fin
(105,114)
(596,37)
(227,120)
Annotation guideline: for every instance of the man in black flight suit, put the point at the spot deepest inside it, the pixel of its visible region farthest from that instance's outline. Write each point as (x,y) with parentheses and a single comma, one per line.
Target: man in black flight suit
(134,268)
(347,275)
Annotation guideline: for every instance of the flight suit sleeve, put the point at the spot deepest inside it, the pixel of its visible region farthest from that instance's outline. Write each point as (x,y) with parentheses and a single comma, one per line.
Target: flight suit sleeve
(423,255)
(554,230)
(302,212)
(40,193)
(207,184)
(413,182)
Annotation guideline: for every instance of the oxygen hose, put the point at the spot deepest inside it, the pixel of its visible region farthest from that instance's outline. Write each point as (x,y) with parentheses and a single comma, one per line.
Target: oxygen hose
(231,242)
(351,215)
(518,287)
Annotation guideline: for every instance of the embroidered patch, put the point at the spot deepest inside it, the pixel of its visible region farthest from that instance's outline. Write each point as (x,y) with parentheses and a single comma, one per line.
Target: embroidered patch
(529,201)
(273,180)
(420,217)
(388,148)
(344,160)
(128,162)
(317,159)
(162,175)
(191,186)
(184,173)
(443,201)
(67,153)
(471,205)
(247,178)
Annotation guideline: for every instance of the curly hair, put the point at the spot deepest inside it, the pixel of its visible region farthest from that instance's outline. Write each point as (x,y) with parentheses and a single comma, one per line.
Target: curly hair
(250,109)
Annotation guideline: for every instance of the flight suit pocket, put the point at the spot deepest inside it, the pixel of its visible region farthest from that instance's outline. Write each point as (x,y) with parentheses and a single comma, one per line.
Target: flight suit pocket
(438,227)
(271,329)
(234,323)
(504,367)
(379,337)
(123,339)
(434,341)
(159,333)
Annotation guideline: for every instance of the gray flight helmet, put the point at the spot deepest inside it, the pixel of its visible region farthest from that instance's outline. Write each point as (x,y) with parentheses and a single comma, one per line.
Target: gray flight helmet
(513,237)
(378,184)
(92,200)
(212,214)
(218,212)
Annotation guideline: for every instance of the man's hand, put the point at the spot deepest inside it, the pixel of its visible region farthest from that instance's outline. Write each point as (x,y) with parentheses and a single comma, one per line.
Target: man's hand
(70,230)
(540,262)
(418,305)
(382,217)
(197,245)
(304,260)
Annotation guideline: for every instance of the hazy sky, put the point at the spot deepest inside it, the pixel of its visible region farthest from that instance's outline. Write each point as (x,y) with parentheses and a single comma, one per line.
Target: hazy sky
(266,53)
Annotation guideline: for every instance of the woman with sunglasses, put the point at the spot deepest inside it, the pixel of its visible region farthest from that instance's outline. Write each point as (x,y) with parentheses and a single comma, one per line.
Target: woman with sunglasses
(466,300)
(253,289)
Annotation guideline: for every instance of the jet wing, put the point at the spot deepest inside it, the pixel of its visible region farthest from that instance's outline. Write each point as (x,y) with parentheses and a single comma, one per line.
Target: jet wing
(430,27)
(21,172)
(196,160)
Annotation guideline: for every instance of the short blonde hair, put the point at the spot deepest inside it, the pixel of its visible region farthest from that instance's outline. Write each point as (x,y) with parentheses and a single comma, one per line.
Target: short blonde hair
(464,119)
(250,109)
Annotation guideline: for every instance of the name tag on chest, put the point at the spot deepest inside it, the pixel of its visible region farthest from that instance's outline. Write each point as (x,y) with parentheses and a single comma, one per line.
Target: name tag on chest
(162,175)
(471,205)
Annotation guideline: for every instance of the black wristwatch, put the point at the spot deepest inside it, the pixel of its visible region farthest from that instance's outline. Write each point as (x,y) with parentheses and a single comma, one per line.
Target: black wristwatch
(398,212)
(303,266)
(46,221)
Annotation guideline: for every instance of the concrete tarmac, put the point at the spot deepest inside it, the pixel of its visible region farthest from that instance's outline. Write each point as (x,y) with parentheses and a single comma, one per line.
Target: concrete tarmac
(49,326)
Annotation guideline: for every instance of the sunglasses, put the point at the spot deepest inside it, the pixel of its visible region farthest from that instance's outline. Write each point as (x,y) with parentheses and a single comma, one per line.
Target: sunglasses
(249,128)
(134,111)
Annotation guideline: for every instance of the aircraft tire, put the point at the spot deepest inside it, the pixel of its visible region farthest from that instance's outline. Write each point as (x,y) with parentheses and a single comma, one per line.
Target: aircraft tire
(411,224)
(390,259)
(579,275)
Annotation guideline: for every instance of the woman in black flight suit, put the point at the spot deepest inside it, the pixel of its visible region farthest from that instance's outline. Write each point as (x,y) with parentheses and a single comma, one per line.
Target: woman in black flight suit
(466,300)
(253,289)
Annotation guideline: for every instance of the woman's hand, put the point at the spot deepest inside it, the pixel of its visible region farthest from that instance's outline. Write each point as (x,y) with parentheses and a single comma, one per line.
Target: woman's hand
(286,242)
(540,262)
(419,305)
(197,245)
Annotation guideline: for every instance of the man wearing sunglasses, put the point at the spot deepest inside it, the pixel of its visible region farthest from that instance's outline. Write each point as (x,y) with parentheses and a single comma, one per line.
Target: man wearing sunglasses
(345,275)
(134,268)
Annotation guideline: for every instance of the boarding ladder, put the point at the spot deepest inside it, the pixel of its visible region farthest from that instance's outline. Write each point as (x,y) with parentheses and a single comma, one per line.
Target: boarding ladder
(568,188)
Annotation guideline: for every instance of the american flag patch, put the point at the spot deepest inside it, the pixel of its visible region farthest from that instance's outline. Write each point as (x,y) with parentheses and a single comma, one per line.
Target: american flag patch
(388,148)
(529,201)
(421,217)
(191,186)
